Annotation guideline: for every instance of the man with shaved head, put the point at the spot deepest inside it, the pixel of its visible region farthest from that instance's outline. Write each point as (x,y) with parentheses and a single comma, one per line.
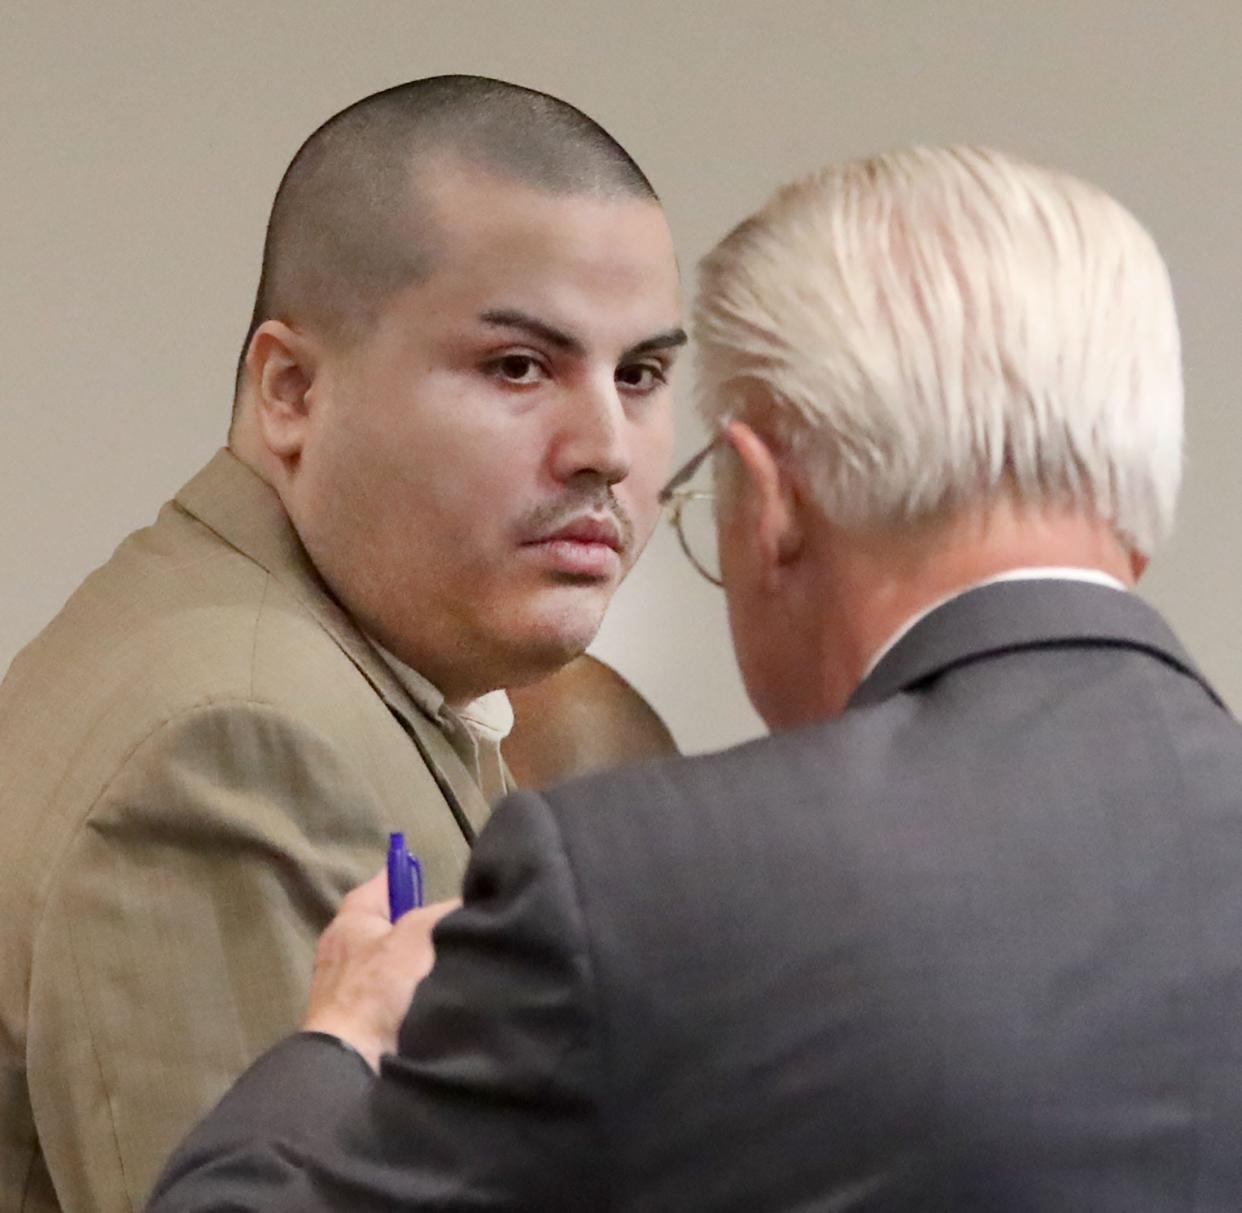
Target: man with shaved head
(451,421)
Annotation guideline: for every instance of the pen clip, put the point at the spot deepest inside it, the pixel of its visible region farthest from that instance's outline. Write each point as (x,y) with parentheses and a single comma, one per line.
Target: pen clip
(405,878)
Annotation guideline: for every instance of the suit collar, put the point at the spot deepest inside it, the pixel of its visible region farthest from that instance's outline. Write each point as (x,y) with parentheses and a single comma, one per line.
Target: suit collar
(1007,616)
(228,498)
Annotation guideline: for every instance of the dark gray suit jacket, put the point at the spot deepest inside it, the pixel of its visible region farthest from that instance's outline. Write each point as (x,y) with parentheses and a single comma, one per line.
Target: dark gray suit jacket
(977,945)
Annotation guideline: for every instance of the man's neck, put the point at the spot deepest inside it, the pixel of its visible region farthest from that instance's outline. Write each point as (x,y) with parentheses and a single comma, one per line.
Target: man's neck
(876,585)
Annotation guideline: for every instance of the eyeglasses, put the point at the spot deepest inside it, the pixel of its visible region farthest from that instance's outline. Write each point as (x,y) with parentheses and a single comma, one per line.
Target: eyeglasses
(693,515)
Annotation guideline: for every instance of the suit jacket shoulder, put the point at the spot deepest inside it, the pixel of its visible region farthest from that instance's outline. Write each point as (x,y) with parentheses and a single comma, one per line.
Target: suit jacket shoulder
(200,748)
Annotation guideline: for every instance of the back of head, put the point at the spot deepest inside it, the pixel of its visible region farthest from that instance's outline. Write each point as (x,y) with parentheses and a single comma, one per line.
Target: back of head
(939,327)
(347,228)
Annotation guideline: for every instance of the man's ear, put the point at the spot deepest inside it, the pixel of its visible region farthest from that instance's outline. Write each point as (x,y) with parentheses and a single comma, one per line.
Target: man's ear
(282,364)
(1138,563)
(768,500)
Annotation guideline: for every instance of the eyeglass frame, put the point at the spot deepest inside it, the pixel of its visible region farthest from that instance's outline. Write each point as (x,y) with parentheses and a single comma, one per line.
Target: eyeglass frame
(675,495)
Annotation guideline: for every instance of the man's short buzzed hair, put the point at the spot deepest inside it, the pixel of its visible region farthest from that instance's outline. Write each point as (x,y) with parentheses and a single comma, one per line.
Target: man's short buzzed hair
(344,231)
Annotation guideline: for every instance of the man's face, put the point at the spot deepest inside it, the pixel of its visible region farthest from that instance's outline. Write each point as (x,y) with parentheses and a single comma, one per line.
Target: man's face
(481,469)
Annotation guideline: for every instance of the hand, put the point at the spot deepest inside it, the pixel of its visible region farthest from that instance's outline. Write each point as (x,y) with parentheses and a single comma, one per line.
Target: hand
(367,969)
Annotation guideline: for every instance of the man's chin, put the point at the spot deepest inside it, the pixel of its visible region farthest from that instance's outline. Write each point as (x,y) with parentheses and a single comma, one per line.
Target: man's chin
(552,636)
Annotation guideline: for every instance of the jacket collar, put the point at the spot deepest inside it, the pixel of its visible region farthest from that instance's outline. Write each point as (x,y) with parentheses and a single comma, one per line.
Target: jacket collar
(244,511)
(1006,616)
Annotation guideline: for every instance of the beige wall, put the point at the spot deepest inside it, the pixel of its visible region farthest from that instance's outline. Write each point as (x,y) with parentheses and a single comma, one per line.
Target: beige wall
(142,143)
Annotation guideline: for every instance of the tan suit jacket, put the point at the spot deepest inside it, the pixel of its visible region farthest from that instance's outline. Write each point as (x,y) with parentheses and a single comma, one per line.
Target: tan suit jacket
(198,757)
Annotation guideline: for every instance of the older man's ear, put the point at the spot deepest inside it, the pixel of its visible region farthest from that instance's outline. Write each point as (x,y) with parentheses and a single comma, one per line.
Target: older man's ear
(764,499)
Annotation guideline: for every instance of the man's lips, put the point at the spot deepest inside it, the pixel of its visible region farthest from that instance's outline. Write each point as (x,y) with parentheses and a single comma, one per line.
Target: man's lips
(602,529)
(589,546)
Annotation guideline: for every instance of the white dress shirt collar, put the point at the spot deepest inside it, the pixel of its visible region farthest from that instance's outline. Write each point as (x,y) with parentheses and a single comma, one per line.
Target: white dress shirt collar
(474,731)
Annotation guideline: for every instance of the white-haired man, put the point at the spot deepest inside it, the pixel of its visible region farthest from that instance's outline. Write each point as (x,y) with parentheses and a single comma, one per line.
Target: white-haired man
(970,937)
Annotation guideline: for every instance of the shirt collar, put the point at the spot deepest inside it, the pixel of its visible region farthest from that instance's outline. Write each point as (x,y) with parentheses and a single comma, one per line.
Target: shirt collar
(489,717)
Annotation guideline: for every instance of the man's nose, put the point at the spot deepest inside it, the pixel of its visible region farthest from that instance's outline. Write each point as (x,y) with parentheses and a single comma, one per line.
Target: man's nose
(593,435)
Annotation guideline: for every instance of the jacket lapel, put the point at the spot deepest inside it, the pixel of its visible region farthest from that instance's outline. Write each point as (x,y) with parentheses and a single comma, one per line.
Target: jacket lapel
(244,511)
(1011,615)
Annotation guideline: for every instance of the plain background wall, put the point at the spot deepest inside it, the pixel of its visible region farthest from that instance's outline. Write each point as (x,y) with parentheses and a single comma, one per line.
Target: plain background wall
(142,142)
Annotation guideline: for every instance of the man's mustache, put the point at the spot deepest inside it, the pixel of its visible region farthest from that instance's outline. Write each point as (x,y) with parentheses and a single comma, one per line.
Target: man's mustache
(553,516)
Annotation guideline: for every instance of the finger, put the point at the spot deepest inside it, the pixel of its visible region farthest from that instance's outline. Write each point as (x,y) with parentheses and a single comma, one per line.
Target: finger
(356,930)
(422,920)
(343,939)
(370,897)
(412,936)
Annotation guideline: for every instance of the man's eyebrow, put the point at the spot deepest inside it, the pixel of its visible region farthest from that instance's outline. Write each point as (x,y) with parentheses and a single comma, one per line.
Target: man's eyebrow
(669,340)
(511,318)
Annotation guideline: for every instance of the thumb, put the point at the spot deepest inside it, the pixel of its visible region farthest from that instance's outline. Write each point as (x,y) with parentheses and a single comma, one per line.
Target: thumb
(370,897)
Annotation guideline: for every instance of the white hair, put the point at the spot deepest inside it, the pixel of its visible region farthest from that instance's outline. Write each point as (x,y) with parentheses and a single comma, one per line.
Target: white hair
(940,326)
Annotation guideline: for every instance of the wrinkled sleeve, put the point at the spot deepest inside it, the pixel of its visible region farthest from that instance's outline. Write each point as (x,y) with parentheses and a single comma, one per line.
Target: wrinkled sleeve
(178,938)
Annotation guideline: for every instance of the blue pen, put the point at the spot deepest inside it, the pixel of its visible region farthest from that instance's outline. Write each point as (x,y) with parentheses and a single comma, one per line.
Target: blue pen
(405,878)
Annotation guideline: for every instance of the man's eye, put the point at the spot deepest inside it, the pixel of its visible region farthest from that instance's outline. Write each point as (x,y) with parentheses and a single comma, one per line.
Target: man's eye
(641,376)
(517,368)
